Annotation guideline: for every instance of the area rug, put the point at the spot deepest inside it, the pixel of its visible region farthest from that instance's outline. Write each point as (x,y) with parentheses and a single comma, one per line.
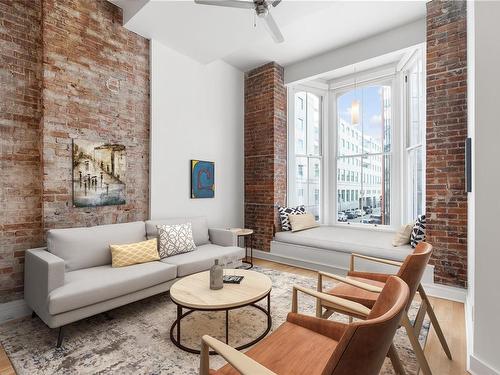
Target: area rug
(134,339)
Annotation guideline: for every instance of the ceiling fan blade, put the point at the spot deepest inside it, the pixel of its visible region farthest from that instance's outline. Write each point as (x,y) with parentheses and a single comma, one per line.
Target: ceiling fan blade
(275,3)
(273,28)
(228,3)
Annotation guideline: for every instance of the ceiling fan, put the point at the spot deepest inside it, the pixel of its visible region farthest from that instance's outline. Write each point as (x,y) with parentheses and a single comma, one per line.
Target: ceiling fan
(261,8)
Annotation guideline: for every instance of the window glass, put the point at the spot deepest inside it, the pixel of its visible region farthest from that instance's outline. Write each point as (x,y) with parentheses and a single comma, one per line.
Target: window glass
(368,176)
(307,143)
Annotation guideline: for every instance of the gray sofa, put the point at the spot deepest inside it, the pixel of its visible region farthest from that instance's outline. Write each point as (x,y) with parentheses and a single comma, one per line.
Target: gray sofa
(72,277)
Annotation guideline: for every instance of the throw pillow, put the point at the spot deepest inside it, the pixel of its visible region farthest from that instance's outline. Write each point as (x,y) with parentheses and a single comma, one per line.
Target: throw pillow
(175,239)
(418,231)
(134,253)
(301,222)
(285,211)
(402,236)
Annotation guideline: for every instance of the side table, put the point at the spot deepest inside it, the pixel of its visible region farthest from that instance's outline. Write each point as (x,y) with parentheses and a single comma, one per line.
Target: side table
(247,235)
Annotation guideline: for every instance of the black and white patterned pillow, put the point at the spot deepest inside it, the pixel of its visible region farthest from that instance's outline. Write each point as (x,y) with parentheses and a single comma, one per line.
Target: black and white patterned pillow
(285,211)
(175,239)
(418,232)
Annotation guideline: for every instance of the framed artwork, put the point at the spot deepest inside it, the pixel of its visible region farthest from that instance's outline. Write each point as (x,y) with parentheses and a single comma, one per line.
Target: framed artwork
(99,171)
(202,179)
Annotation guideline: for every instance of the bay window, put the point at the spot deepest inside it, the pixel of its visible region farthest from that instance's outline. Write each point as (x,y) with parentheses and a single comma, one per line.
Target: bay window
(366,166)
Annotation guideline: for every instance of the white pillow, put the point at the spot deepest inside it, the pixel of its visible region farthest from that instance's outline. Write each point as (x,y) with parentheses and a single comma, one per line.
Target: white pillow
(175,239)
(402,236)
(302,221)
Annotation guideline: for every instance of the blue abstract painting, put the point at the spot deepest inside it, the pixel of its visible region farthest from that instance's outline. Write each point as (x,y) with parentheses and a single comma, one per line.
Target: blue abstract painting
(202,179)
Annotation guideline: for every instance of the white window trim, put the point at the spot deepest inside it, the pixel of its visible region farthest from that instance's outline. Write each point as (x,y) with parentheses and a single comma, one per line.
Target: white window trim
(405,119)
(321,90)
(395,75)
(385,78)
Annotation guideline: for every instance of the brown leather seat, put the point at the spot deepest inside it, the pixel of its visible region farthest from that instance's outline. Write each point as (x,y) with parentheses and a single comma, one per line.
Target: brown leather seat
(410,271)
(310,345)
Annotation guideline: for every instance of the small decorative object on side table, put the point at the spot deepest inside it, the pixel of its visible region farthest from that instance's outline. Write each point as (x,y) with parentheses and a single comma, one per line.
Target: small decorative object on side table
(247,235)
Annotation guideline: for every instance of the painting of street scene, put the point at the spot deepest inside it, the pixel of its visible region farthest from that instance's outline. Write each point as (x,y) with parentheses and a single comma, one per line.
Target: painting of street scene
(98,173)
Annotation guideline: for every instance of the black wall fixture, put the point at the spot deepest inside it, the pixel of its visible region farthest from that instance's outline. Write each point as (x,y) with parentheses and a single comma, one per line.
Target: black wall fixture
(468,164)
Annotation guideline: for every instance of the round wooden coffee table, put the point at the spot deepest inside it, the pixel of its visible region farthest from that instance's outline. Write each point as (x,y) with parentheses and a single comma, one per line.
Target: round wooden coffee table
(194,294)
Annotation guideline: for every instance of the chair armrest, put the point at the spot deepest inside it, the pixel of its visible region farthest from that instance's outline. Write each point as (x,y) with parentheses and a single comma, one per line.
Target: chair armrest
(336,302)
(381,277)
(244,364)
(222,237)
(325,327)
(358,284)
(43,273)
(373,259)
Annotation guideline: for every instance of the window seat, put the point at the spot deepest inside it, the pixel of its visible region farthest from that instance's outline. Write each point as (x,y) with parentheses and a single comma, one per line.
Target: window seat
(329,248)
(347,240)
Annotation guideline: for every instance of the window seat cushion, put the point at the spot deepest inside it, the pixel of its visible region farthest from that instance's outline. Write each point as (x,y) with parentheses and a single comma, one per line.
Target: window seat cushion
(349,240)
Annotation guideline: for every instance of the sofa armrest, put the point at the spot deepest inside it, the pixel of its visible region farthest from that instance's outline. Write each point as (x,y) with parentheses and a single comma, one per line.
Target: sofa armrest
(43,272)
(222,237)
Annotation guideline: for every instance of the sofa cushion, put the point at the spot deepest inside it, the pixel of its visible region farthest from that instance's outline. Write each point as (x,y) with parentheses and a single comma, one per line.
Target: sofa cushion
(199,227)
(203,258)
(88,286)
(89,247)
(349,240)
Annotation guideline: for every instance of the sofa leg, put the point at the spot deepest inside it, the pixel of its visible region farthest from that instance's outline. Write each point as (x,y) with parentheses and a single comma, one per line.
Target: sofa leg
(33,314)
(60,337)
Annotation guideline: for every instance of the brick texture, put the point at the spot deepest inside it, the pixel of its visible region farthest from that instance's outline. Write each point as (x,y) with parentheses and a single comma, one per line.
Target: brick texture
(20,114)
(85,51)
(68,69)
(446,199)
(265,150)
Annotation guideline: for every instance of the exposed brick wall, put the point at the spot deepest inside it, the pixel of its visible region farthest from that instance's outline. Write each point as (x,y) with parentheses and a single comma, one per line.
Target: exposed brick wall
(56,59)
(20,113)
(265,150)
(86,47)
(446,200)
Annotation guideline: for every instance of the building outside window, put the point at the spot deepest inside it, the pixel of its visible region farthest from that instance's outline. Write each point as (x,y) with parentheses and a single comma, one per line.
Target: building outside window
(307,152)
(369,154)
(363,183)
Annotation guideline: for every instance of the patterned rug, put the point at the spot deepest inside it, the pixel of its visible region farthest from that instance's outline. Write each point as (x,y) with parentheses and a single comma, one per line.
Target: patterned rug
(134,339)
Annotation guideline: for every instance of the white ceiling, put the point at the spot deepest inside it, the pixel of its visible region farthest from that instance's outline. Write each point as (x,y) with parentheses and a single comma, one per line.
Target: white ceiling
(208,33)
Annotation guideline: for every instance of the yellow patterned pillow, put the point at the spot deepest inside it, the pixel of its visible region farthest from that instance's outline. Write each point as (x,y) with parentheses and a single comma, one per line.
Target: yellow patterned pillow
(134,253)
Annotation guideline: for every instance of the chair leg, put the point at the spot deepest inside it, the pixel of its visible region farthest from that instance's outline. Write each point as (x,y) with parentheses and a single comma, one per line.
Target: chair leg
(422,361)
(328,313)
(60,337)
(396,363)
(434,321)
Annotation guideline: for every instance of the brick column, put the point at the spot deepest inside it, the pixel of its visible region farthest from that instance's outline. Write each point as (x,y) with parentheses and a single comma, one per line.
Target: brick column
(446,199)
(265,150)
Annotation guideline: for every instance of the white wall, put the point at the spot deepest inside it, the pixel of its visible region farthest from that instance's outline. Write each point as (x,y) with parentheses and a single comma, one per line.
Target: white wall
(485,351)
(196,113)
(405,36)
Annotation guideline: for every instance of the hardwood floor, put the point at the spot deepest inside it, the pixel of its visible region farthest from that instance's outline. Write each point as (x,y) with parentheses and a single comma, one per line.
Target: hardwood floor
(450,314)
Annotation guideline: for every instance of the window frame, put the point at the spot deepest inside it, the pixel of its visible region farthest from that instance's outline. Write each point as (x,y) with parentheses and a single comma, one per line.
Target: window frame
(383,77)
(322,93)
(406,105)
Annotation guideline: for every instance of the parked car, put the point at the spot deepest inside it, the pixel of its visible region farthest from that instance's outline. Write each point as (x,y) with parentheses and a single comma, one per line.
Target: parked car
(351,215)
(376,219)
(342,217)
(359,212)
(367,209)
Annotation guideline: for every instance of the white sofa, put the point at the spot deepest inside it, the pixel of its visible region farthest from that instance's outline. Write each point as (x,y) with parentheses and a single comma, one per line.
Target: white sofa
(329,248)
(72,277)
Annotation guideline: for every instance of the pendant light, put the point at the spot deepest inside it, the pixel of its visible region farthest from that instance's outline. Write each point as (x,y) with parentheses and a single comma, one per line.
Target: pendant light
(355,104)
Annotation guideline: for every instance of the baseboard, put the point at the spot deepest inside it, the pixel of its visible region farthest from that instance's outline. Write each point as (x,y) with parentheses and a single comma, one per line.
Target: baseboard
(478,367)
(13,310)
(434,290)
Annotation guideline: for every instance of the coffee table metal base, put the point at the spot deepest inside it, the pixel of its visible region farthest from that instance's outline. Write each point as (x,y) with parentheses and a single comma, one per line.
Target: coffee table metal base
(176,326)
